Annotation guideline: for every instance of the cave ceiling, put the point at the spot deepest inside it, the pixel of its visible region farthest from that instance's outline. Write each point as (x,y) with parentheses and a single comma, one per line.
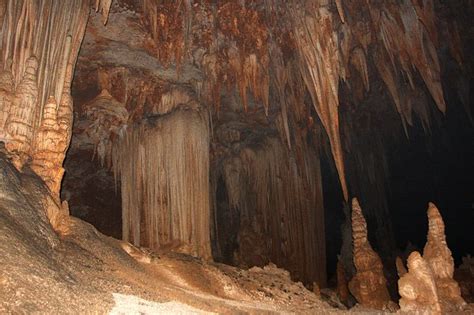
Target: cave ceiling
(291,67)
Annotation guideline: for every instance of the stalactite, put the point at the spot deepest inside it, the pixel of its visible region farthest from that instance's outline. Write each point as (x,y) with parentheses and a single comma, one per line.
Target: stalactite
(108,117)
(103,7)
(369,285)
(163,167)
(6,97)
(359,61)
(280,204)
(42,40)
(438,256)
(318,45)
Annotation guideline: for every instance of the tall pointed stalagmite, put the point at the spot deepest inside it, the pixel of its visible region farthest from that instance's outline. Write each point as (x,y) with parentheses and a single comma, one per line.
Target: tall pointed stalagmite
(369,285)
(439,258)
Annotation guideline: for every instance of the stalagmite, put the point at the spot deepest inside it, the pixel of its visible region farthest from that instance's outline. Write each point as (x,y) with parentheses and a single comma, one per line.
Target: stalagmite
(163,167)
(42,40)
(21,119)
(50,148)
(438,256)
(417,288)
(369,285)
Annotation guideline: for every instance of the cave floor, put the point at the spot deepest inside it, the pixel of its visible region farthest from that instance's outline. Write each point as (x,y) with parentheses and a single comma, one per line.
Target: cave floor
(87,272)
(82,271)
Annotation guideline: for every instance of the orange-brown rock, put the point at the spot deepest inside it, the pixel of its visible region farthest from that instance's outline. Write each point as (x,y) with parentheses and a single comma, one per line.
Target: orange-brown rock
(6,97)
(417,288)
(108,116)
(369,285)
(50,147)
(438,256)
(22,114)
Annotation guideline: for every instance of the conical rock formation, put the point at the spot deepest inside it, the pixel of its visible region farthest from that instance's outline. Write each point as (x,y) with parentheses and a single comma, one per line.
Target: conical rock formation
(438,256)
(369,285)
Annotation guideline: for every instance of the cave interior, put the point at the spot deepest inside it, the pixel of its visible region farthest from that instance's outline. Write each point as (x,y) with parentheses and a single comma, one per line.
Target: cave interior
(331,139)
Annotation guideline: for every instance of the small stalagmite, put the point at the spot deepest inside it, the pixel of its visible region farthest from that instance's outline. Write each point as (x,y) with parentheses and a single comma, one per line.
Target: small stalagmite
(438,256)
(369,285)
(22,114)
(50,147)
(417,288)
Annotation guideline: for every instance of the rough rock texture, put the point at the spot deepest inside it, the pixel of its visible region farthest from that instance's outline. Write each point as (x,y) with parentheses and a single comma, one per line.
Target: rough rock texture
(418,288)
(20,122)
(464,275)
(368,285)
(83,271)
(51,143)
(438,256)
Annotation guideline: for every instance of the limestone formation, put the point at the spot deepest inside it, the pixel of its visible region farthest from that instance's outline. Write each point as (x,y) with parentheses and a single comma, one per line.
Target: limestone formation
(438,256)
(369,285)
(163,165)
(50,148)
(21,119)
(107,116)
(6,97)
(417,288)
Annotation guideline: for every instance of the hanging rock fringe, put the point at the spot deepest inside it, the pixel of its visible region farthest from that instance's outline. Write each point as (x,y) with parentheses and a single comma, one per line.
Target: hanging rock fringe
(281,200)
(163,167)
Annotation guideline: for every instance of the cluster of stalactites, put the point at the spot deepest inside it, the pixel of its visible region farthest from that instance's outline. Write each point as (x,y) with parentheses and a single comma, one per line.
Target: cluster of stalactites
(107,116)
(368,285)
(39,46)
(42,148)
(241,60)
(280,198)
(429,285)
(236,45)
(163,167)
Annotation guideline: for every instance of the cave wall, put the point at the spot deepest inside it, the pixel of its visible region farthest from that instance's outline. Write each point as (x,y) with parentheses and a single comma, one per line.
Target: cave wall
(364,78)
